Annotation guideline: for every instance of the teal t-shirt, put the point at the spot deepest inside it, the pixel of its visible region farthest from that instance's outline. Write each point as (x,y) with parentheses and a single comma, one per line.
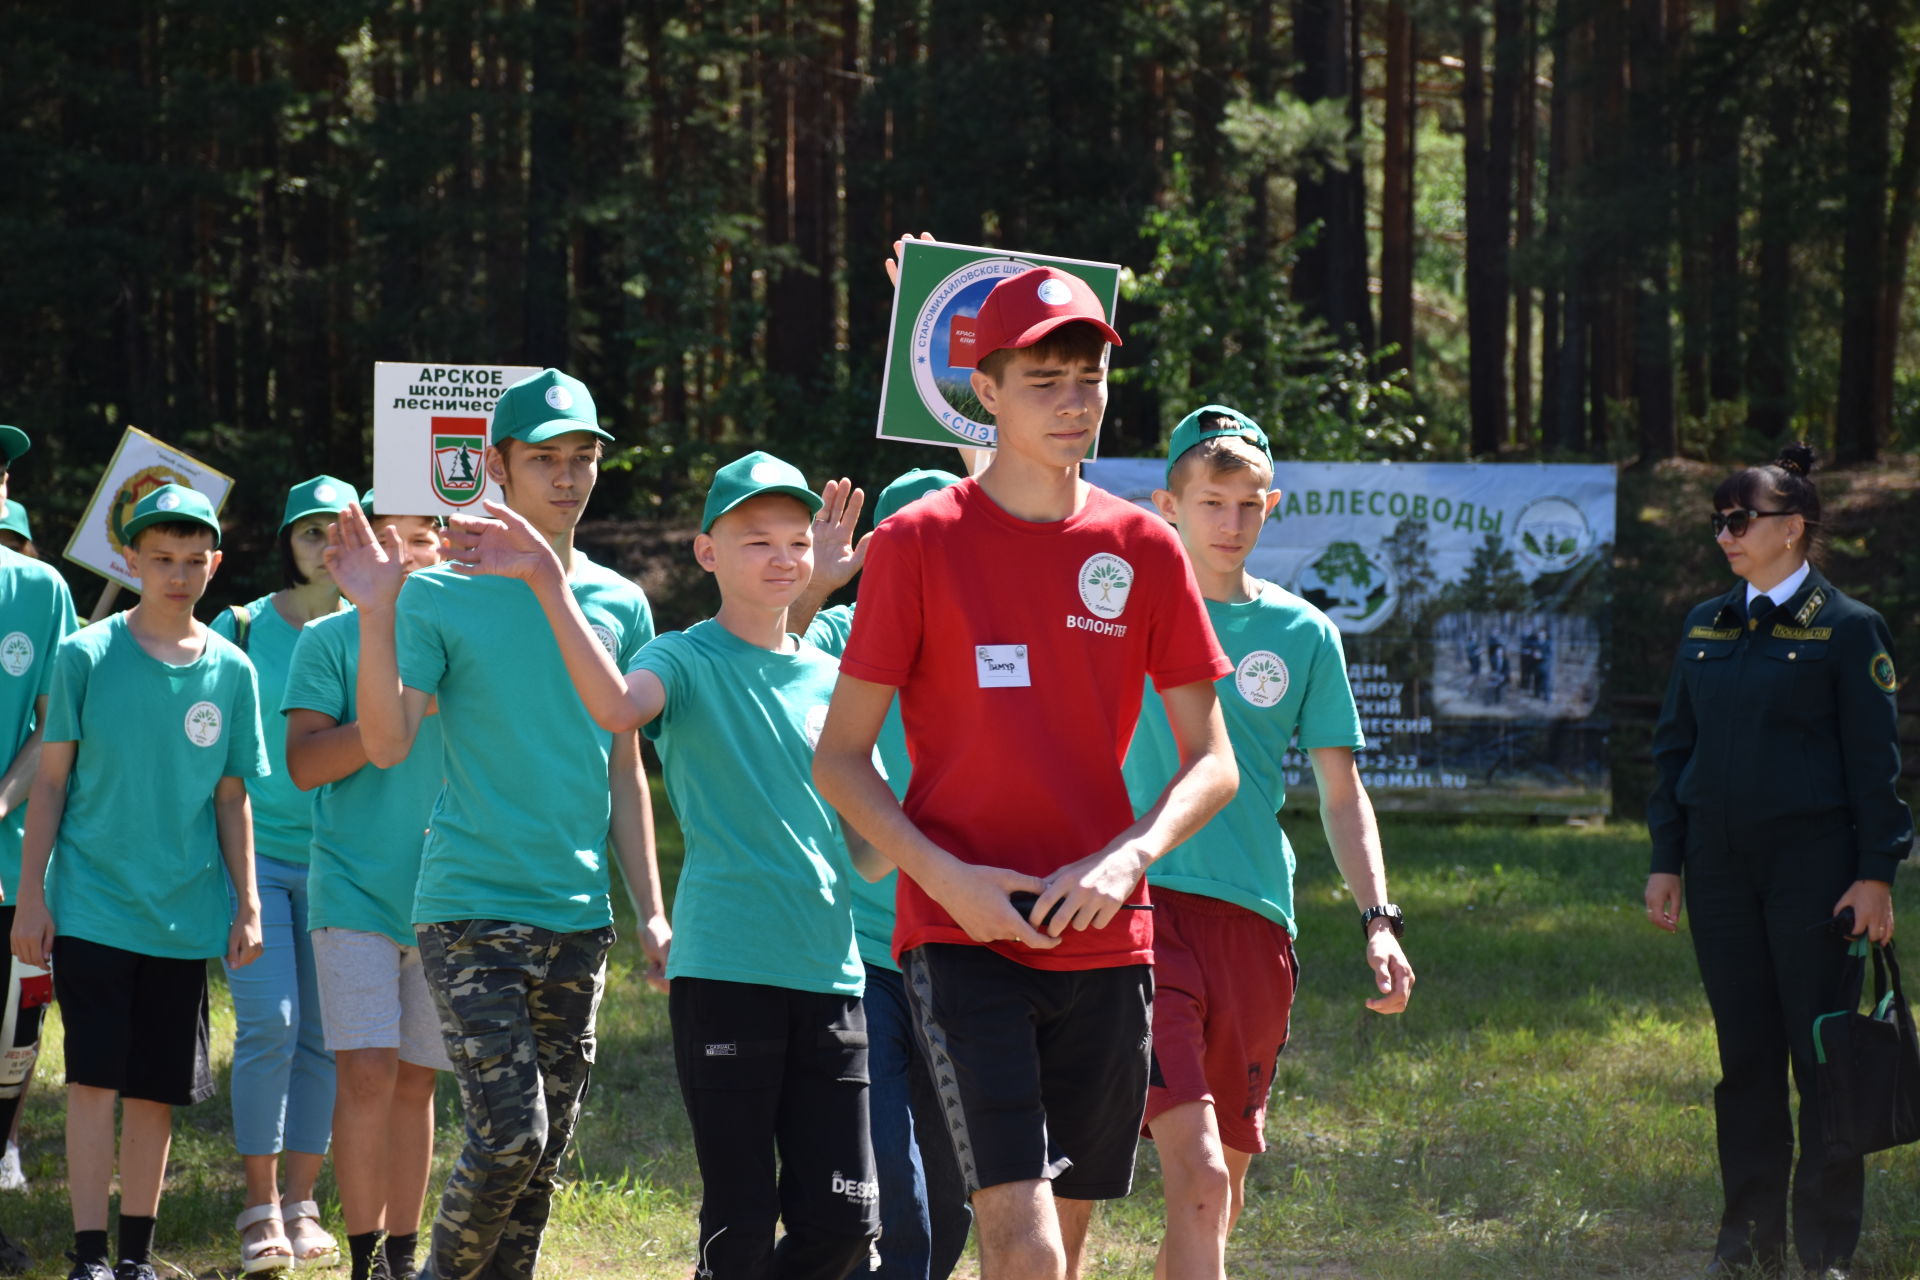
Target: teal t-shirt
(763,890)
(36,612)
(872,899)
(1289,676)
(520,830)
(137,864)
(282,812)
(369,826)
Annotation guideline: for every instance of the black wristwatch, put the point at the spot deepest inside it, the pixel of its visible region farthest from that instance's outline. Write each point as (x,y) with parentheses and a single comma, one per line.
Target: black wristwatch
(1396,920)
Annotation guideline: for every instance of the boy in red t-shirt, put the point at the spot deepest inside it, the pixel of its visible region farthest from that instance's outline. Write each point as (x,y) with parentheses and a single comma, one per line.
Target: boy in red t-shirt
(1016,615)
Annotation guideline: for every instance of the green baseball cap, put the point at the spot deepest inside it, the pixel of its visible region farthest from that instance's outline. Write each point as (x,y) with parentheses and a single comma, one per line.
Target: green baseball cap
(1208,422)
(14,441)
(322,495)
(16,520)
(909,487)
(546,405)
(749,477)
(170,503)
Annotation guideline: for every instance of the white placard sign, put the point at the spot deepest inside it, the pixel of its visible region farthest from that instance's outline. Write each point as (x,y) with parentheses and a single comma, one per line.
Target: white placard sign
(430,434)
(140,465)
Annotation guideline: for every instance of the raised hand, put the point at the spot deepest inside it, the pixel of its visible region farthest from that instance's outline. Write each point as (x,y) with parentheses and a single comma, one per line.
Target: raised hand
(505,546)
(366,567)
(893,263)
(836,555)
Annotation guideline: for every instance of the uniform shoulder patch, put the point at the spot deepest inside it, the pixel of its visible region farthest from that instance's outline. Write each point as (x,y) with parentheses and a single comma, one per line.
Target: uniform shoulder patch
(1814,604)
(1714,633)
(1880,667)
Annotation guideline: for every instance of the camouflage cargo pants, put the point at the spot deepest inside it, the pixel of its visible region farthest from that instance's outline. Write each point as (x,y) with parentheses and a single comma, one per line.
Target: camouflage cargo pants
(517,1007)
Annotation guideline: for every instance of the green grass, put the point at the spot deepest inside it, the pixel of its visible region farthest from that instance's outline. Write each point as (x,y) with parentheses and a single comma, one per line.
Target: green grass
(1543,1109)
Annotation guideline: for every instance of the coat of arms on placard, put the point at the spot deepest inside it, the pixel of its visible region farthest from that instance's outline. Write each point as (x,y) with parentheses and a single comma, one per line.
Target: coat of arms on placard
(458,445)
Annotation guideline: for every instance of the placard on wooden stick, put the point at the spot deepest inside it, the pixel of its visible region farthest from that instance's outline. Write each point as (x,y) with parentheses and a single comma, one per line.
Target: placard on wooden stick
(141,463)
(923,398)
(430,434)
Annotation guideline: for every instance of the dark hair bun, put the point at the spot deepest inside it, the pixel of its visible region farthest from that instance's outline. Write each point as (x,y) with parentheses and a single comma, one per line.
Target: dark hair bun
(1796,459)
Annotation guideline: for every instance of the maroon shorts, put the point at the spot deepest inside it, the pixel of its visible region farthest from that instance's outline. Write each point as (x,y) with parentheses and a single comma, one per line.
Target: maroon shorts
(1224,979)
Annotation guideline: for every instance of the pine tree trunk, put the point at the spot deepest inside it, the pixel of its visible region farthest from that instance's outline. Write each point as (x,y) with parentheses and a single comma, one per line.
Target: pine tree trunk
(1770,348)
(1723,211)
(1900,227)
(550,169)
(1397,195)
(1652,311)
(1857,431)
(1489,170)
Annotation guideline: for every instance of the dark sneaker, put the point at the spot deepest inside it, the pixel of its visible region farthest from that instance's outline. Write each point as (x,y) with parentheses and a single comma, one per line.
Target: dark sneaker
(14,1261)
(134,1271)
(97,1269)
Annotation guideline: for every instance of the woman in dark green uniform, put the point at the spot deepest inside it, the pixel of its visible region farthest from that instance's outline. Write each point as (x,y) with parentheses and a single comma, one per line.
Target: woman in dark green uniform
(1776,759)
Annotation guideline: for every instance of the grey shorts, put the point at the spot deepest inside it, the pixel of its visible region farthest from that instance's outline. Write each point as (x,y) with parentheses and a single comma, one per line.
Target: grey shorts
(373,995)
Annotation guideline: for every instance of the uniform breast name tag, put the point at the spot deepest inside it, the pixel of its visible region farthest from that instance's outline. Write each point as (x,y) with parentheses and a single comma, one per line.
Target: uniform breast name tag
(1002,666)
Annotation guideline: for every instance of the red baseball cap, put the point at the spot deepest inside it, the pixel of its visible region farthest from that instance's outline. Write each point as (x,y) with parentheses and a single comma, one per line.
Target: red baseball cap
(1025,308)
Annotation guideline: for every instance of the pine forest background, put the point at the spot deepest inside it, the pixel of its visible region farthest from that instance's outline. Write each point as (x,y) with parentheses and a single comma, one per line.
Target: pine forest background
(1620,230)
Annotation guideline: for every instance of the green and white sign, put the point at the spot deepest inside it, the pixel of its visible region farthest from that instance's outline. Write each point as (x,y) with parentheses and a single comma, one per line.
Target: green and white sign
(1472,601)
(922,397)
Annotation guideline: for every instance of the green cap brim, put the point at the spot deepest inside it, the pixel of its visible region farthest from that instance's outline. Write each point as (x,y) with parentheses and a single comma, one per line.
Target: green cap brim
(812,500)
(559,427)
(14,442)
(152,518)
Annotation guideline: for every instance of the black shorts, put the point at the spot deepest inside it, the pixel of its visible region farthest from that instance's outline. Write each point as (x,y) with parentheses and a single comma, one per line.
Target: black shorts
(1042,1073)
(136,1024)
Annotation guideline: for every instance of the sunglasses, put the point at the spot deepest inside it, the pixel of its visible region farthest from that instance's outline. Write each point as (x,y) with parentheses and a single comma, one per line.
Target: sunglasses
(1736,522)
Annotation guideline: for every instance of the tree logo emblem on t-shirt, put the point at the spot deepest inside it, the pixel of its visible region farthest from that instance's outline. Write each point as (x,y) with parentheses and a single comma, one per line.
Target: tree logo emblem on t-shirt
(1105,580)
(1262,677)
(203,724)
(608,640)
(816,722)
(16,653)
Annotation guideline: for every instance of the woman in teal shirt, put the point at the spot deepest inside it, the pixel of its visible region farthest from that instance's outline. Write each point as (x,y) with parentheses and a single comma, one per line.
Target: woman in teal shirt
(282,1072)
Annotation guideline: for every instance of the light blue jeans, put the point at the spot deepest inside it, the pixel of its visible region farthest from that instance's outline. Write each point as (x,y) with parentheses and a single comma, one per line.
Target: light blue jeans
(282,1072)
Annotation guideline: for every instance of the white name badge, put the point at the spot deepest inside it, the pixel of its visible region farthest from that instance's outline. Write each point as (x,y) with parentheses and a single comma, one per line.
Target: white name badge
(1002,666)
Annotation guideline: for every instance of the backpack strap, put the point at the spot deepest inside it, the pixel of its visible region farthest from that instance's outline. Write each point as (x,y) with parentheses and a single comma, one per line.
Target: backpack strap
(242,620)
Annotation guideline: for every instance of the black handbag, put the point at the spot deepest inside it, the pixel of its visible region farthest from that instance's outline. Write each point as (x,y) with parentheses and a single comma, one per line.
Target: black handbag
(1867,1065)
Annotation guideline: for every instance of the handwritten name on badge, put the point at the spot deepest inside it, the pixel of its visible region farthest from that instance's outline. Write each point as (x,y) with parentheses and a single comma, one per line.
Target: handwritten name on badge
(1002,666)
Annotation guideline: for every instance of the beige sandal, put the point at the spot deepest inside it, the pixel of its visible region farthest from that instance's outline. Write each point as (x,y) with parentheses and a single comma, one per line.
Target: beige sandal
(271,1252)
(312,1246)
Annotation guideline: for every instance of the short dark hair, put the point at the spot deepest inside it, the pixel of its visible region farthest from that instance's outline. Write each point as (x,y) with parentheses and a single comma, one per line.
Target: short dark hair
(178,528)
(1073,343)
(1781,485)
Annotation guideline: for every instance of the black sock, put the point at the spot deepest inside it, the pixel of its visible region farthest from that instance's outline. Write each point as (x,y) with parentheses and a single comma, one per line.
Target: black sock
(362,1247)
(90,1246)
(136,1238)
(400,1255)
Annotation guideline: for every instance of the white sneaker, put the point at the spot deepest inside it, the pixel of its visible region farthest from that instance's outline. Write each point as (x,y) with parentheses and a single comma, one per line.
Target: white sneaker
(11,1178)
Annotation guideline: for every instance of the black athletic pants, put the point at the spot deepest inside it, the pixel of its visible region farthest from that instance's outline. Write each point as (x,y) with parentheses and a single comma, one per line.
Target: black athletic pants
(775,1084)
